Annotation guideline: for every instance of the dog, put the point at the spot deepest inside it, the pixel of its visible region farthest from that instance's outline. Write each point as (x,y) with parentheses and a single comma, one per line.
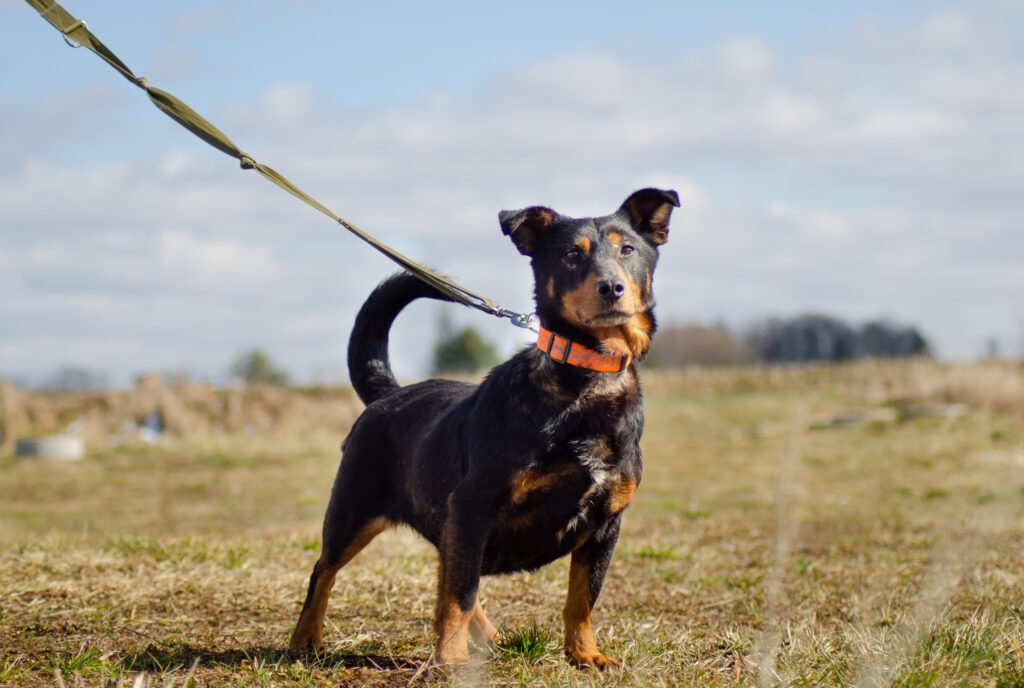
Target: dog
(536,462)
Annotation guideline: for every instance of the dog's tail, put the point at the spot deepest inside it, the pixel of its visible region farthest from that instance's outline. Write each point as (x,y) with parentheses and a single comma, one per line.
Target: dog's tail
(369,367)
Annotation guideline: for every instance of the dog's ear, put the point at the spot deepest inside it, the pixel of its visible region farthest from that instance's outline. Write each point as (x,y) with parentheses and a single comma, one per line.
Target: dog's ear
(649,211)
(526,227)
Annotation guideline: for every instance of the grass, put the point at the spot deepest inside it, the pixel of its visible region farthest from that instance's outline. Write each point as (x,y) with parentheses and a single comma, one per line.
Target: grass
(529,644)
(758,552)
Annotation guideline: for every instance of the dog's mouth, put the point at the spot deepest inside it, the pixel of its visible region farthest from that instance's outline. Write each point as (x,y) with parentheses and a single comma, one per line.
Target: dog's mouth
(612,318)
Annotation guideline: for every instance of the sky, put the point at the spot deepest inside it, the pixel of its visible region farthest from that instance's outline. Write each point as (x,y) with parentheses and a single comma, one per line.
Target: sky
(857,159)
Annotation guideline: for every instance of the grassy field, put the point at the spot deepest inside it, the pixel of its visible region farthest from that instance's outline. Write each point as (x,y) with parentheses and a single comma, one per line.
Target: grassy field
(859,526)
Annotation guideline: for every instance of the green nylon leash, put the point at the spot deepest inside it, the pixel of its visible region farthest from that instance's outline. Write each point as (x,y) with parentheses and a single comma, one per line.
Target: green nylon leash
(76,30)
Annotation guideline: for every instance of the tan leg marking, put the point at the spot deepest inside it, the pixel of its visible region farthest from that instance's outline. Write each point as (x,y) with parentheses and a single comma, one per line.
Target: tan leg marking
(621,494)
(308,631)
(579,637)
(481,628)
(451,623)
(452,627)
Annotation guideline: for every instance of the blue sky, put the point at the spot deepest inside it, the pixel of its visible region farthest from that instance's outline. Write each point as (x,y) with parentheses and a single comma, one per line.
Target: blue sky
(375,54)
(861,159)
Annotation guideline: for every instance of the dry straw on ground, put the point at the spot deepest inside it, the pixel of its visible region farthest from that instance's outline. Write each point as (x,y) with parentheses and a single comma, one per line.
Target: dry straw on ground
(186,412)
(766,546)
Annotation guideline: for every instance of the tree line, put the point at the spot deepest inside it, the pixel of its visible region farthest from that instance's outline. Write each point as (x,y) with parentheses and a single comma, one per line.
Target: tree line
(800,339)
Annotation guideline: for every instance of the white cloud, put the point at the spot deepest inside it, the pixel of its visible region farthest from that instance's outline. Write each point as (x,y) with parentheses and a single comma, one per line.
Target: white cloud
(949,30)
(870,179)
(746,58)
(280,106)
(206,263)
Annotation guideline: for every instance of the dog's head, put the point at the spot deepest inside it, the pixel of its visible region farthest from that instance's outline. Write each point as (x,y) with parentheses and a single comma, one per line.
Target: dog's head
(594,275)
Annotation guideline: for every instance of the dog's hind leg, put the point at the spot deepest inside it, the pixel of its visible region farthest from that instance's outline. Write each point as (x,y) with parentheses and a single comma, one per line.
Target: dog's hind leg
(480,626)
(460,556)
(354,517)
(307,634)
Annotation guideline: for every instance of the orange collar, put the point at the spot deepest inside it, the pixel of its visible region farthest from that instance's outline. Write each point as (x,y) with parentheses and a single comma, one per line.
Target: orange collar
(565,351)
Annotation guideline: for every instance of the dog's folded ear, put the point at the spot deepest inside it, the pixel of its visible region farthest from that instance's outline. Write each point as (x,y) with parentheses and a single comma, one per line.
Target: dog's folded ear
(526,227)
(649,211)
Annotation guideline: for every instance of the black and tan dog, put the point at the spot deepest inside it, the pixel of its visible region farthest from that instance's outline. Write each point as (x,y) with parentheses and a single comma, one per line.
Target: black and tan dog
(536,462)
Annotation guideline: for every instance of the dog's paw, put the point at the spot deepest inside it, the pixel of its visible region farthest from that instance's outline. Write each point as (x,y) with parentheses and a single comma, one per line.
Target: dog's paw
(595,659)
(302,646)
(452,658)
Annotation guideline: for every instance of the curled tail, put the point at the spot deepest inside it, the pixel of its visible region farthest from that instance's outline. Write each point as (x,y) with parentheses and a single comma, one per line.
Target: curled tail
(369,368)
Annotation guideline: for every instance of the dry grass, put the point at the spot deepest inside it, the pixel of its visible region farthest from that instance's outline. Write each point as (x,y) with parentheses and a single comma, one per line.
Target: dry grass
(758,552)
(194,412)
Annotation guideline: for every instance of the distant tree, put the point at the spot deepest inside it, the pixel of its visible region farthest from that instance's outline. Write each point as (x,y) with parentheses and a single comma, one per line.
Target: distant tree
(695,343)
(883,339)
(806,338)
(464,351)
(75,379)
(825,338)
(992,350)
(256,367)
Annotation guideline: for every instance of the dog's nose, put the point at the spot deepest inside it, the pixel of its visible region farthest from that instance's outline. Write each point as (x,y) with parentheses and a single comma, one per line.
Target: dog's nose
(611,289)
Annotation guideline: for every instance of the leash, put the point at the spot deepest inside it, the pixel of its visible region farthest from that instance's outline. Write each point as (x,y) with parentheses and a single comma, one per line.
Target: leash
(77,35)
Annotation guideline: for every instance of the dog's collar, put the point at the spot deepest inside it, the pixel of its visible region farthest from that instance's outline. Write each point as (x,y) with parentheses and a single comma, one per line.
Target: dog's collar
(573,353)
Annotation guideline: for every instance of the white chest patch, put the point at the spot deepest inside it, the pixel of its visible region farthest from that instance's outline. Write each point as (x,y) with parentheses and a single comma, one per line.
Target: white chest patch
(594,455)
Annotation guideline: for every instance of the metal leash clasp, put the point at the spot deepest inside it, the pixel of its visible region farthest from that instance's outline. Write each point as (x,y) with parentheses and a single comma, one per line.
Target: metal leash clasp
(527,321)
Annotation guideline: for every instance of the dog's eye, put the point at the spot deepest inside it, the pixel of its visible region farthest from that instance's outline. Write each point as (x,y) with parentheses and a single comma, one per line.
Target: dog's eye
(626,250)
(572,255)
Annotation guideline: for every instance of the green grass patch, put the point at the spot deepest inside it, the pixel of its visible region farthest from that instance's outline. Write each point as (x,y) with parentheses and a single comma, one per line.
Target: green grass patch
(969,654)
(528,644)
(147,547)
(803,565)
(657,553)
(12,668)
(87,661)
(222,459)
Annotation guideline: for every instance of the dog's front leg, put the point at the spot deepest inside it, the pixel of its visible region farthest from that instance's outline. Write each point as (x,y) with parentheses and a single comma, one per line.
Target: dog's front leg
(586,575)
(460,554)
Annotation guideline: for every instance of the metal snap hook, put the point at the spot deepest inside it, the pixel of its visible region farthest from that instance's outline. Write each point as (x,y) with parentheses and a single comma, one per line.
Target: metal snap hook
(527,321)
